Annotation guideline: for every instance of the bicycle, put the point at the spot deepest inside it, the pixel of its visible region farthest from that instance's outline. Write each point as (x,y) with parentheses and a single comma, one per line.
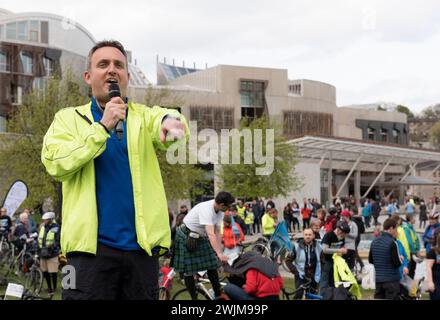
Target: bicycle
(5,247)
(23,260)
(264,247)
(165,285)
(201,290)
(34,278)
(306,287)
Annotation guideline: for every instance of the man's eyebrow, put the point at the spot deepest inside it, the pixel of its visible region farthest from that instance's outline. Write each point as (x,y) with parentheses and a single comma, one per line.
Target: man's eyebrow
(108,61)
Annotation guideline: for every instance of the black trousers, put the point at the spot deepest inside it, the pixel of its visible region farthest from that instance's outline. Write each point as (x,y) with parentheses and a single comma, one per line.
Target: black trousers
(387,290)
(113,275)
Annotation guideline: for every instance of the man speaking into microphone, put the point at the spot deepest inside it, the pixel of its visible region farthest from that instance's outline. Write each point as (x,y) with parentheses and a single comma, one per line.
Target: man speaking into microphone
(115,215)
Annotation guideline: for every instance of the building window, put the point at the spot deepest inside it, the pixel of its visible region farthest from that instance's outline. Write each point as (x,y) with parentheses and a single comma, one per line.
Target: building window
(34,30)
(1,31)
(371,134)
(22,31)
(26,61)
(299,123)
(48,66)
(295,89)
(4,63)
(216,118)
(11,31)
(383,135)
(252,98)
(16,93)
(396,136)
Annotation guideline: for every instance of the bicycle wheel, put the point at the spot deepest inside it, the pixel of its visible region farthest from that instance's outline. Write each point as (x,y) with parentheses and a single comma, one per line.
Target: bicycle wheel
(34,281)
(164,294)
(10,263)
(3,252)
(262,249)
(183,294)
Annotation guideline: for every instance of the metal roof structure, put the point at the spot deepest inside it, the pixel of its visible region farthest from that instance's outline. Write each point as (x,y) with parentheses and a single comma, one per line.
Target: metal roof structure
(344,149)
(361,154)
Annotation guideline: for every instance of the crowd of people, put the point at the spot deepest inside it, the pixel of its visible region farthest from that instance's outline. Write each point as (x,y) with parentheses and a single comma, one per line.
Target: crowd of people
(327,241)
(44,239)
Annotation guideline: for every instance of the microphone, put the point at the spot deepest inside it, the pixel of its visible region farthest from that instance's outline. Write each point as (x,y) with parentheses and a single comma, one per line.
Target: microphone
(113,91)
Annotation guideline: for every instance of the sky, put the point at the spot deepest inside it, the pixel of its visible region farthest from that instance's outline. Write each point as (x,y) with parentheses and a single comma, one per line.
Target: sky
(371,51)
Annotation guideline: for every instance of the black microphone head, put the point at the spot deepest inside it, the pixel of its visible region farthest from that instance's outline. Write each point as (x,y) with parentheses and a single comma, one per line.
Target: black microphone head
(113,90)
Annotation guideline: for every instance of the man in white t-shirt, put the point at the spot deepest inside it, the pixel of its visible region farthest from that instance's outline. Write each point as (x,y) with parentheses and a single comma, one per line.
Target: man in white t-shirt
(198,241)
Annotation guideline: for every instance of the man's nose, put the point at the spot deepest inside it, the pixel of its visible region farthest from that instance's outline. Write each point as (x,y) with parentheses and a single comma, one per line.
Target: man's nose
(111,68)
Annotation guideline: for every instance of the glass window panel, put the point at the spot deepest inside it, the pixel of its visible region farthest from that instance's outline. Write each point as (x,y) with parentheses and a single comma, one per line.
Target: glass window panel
(22,30)
(4,66)
(11,30)
(26,60)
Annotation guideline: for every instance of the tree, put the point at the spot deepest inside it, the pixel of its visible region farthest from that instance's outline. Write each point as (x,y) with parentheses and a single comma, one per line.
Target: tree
(406,111)
(242,179)
(180,180)
(431,112)
(20,157)
(434,135)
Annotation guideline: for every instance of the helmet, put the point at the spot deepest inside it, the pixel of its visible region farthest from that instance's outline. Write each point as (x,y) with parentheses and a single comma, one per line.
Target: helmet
(343,226)
(332,210)
(434,215)
(48,216)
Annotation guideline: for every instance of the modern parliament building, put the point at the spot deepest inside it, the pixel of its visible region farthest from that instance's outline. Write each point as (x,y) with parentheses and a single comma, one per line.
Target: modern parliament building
(343,150)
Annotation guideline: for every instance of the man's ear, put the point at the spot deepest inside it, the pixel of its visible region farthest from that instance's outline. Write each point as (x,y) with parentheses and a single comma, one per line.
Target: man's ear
(87,77)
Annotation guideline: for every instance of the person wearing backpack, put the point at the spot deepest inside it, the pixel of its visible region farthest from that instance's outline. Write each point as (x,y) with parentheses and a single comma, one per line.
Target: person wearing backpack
(350,239)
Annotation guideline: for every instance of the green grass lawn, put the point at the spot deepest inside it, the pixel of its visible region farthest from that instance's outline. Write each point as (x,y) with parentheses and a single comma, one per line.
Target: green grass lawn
(177,285)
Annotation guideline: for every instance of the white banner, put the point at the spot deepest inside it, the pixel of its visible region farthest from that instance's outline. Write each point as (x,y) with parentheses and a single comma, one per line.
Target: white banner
(17,193)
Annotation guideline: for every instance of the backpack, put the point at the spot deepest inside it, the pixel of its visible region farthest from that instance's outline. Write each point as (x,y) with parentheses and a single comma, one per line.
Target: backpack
(360,224)
(339,293)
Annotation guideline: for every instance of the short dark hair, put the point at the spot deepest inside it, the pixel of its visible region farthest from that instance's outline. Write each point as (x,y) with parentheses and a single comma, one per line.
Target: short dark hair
(102,44)
(224,197)
(389,223)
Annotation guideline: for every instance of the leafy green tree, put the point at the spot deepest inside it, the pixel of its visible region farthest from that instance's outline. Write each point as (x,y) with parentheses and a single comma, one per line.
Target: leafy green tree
(434,135)
(242,179)
(406,111)
(20,156)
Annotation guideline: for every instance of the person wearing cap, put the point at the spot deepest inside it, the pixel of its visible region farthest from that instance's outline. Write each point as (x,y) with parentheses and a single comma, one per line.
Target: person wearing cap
(332,242)
(49,249)
(350,239)
(384,255)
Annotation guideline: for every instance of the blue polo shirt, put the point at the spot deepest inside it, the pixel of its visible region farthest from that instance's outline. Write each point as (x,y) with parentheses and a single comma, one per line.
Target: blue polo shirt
(114,192)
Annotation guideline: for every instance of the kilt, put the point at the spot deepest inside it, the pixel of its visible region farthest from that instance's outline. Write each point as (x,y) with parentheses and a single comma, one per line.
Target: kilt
(204,258)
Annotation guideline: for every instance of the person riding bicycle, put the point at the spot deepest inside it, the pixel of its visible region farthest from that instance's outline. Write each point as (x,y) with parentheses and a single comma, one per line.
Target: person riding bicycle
(49,249)
(260,275)
(305,262)
(333,242)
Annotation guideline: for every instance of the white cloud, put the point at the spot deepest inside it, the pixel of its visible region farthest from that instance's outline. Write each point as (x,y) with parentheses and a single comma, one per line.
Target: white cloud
(370,50)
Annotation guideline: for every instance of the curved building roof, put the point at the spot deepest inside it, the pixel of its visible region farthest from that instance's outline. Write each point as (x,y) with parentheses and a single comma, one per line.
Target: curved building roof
(54,31)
